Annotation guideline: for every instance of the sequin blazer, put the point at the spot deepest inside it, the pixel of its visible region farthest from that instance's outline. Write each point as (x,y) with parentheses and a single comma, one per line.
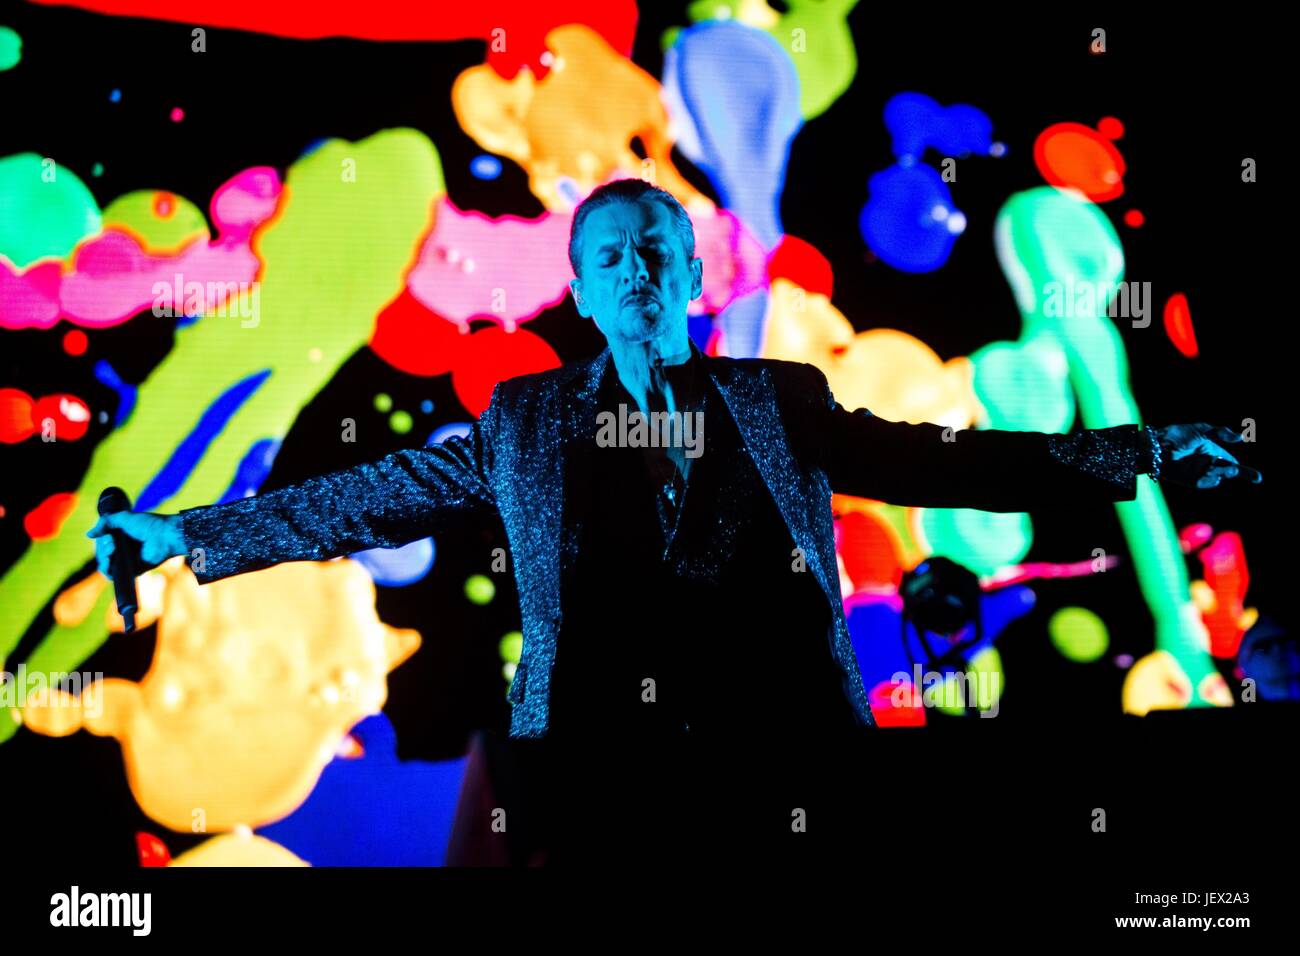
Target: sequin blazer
(524,455)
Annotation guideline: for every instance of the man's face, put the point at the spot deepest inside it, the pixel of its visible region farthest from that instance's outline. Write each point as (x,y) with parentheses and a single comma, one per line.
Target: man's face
(630,248)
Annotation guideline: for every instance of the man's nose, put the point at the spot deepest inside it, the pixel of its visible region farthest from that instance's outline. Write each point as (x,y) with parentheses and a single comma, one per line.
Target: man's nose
(639,271)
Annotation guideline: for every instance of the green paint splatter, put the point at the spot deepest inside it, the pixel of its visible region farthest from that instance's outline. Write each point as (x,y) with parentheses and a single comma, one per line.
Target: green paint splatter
(11,48)
(1079,634)
(400,422)
(980,540)
(511,646)
(1046,236)
(335,249)
(135,210)
(45,210)
(480,589)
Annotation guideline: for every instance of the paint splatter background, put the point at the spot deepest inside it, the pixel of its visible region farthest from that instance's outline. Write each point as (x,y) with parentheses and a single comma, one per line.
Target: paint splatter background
(288,243)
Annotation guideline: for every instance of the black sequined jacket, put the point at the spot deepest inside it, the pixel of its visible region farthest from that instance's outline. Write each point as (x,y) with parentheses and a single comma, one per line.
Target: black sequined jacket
(523,458)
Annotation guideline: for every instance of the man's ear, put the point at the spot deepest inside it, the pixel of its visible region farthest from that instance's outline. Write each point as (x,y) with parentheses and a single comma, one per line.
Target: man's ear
(575,287)
(697,278)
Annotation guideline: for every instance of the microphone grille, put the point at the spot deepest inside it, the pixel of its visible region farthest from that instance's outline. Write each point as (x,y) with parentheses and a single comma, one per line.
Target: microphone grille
(113,499)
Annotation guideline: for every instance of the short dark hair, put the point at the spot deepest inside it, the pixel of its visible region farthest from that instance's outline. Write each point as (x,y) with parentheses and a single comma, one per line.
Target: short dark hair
(628,190)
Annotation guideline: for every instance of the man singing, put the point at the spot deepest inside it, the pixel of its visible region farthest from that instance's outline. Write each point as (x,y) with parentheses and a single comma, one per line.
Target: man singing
(678,590)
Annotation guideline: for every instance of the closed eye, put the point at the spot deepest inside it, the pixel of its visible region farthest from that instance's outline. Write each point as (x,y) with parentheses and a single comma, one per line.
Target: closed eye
(654,252)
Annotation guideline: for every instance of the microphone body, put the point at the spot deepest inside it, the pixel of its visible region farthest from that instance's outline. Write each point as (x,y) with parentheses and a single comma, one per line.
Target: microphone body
(126,561)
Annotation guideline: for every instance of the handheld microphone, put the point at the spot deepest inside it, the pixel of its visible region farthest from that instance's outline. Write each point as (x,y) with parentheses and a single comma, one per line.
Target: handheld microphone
(126,560)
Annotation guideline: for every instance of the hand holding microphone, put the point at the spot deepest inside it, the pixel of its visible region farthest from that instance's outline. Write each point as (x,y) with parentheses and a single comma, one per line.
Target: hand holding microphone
(128,543)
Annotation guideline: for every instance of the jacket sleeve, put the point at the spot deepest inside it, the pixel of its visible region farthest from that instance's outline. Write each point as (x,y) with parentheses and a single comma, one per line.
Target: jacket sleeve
(927,465)
(380,504)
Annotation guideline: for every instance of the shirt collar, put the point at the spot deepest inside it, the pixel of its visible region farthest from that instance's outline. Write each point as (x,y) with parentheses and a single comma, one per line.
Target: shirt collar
(684,376)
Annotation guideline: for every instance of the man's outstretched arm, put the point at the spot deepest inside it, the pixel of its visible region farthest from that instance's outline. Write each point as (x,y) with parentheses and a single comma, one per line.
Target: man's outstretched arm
(380,504)
(927,465)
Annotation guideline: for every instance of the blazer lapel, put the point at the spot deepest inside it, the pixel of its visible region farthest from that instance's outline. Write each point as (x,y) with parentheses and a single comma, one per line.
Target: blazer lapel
(751,399)
(577,415)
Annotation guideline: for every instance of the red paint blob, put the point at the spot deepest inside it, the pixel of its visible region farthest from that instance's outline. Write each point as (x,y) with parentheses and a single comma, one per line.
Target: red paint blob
(74,343)
(1071,155)
(413,339)
(1178,325)
(1194,536)
(868,552)
(69,415)
(151,850)
(800,262)
(1111,128)
(908,712)
(1224,561)
(44,521)
(1134,218)
(493,355)
(418,341)
(164,204)
(614,20)
(15,416)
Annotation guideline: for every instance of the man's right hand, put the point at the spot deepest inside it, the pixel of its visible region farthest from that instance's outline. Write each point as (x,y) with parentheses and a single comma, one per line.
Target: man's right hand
(159,536)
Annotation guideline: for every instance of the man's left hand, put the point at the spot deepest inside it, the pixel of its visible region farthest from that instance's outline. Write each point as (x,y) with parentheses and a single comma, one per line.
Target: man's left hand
(1193,456)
